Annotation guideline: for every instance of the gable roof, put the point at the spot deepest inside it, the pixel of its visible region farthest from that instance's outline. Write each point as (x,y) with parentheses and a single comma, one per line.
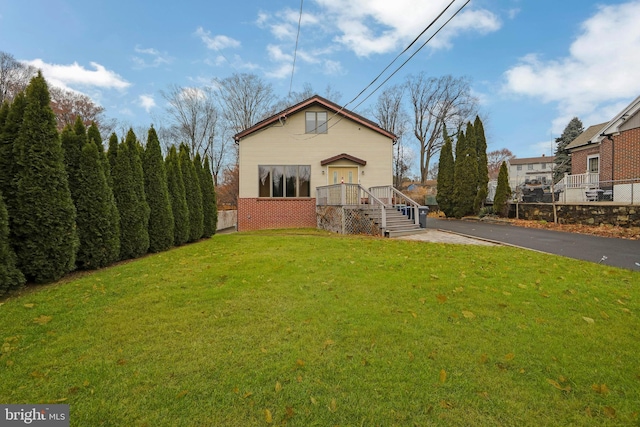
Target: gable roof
(614,125)
(527,160)
(343,156)
(314,100)
(585,137)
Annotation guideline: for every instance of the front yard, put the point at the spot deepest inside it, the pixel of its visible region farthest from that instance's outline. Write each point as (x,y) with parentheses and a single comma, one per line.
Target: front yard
(307,328)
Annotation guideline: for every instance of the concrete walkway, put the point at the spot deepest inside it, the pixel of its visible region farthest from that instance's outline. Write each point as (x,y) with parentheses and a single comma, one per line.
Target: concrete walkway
(438,236)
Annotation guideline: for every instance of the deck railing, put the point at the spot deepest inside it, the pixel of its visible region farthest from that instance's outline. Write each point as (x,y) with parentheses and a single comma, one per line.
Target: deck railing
(350,195)
(392,197)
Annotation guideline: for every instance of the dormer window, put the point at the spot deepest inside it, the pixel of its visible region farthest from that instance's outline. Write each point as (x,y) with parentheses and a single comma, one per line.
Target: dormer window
(316,122)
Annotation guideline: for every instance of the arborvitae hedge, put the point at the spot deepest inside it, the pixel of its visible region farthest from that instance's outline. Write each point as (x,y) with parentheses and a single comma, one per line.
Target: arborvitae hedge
(465,174)
(209,199)
(445,177)
(97,218)
(112,154)
(71,148)
(193,194)
(503,192)
(44,222)
(134,234)
(157,193)
(10,276)
(483,166)
(178,198)
(9,152)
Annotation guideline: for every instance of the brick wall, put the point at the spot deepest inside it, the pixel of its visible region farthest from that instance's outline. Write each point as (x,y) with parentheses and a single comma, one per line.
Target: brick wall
(579,159)
(258,214)
(626,162)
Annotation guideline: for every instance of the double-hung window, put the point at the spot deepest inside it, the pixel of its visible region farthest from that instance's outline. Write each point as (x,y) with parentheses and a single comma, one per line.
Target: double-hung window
(315,122)
(284,181)
(593,164)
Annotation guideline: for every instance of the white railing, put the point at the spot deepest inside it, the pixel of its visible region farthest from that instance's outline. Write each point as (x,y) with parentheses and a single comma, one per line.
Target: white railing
(394,198)
(583,180)
(352,195)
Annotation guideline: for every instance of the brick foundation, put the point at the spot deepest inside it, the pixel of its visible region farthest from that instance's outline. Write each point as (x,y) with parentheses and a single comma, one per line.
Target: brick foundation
(263,213)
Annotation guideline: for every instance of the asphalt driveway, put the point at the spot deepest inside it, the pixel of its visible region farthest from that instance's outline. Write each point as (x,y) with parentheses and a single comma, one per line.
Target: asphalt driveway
(610,251)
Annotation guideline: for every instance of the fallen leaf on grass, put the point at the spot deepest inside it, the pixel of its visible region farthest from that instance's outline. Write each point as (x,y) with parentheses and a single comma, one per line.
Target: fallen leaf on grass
(121,362)
(600,388)
(468,314)
(411,357)
(183,393)
(443,376)
(42,320)
(589,320)
(278,386)
(441,298)
(446,405)
(509,356)
(290,412)
(604,315)
(247,394)
(483,358)
(267,416)
(299,362)
(313,400)
(327,343)
(609,411)
(414,315)
(333,406)
(558,386)
(29,305)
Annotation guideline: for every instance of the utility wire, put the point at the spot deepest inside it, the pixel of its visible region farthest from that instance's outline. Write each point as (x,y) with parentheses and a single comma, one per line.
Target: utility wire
(295,51)
(401,65)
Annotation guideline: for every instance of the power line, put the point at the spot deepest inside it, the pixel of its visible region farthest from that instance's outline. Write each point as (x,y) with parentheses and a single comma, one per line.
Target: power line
(295,51)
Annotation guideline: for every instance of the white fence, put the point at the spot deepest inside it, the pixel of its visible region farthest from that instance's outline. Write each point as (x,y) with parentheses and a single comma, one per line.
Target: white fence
(589,188)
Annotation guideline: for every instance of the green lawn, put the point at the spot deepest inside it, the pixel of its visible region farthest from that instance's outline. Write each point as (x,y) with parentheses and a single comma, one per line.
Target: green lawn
(306,328)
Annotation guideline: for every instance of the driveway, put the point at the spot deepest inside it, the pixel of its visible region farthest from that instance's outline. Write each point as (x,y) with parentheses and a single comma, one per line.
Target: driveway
(610,251)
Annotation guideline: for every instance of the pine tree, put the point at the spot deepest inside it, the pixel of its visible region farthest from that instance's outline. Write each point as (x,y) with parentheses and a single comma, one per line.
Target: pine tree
(156,189)
(93,135)
(97,219)
(4,112)
(483,165)
(9,151)
(44,222)
(10,276)
(112,154)
(134,234)
(503,192)
(445,176)
(465,174)
(562,159)
(178,198)
(209,200)
(72,146)
(193,194)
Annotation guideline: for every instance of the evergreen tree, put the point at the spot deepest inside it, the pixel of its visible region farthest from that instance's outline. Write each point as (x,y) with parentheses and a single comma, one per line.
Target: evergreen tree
(562,159)
(503,192)
(134,234)
(4,112)
(9,151)
(44,222)
(10,276)
(112,154)
(445,176)
(465,174)
(209,199)
(155,185)
(178,198)
(193,194)
(93,135)
(97,217)
(483,165)
(71,147)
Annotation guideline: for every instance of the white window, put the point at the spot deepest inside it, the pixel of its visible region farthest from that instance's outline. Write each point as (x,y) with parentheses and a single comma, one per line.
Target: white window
(530,167)
(519,167)
(284,181)
(544,165)
(593,164)
(316,122)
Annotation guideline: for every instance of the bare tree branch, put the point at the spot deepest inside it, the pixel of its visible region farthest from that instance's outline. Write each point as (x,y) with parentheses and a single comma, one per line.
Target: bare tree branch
(14,76)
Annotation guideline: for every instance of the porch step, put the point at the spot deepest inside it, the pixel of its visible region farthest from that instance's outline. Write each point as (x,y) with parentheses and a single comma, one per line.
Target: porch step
(397,233)
(398,224)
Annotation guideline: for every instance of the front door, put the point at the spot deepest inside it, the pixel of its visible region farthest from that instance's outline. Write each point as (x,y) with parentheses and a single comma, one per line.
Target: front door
(338,175)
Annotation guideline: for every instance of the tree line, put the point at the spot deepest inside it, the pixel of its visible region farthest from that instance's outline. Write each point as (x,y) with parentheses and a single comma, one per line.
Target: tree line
(66,203)
(463,180)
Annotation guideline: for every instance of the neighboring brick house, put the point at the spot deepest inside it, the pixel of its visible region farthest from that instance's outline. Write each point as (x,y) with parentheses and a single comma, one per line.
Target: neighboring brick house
(608,155)
(283,158)
(527,169)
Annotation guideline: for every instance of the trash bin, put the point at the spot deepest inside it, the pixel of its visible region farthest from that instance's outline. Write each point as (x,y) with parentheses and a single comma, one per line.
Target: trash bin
(423,211)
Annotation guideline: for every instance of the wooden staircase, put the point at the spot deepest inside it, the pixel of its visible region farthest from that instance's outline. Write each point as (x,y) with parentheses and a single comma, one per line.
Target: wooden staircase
(398,224)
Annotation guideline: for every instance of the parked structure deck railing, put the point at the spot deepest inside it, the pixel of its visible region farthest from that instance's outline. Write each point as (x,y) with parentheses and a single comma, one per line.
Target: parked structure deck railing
(392,197)
(352,195)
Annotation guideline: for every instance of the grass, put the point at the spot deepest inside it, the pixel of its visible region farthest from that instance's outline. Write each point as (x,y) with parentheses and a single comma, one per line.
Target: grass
(306,328)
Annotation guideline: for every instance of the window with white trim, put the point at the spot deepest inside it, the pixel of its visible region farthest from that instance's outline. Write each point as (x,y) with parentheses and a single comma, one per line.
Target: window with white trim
(315,122)
(284,181)
(593,164)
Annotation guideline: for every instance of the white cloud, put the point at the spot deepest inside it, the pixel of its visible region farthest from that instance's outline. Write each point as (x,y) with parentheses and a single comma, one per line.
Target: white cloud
(512,13)
(332,68)
(596,77)
(147,102)
(75,75)
(157,58)
(284,24)
(380,26)
(218,42)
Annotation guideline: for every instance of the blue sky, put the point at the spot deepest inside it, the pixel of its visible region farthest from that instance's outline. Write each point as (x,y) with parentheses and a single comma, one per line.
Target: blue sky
(533,64)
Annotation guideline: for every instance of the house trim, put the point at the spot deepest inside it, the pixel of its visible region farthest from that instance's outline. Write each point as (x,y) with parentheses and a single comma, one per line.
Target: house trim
(343,156)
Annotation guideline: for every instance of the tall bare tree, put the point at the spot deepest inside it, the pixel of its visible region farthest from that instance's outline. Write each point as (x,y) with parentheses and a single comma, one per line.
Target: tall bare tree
(245,100)
(437,102)
(14,76)
(391,116)
(495,159)
(67,105)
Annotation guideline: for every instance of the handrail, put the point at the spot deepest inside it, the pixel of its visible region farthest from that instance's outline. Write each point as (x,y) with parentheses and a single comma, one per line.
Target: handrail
(396,198)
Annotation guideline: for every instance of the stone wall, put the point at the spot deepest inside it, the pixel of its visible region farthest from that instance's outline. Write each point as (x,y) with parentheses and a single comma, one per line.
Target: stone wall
(621,215)
(227,219)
